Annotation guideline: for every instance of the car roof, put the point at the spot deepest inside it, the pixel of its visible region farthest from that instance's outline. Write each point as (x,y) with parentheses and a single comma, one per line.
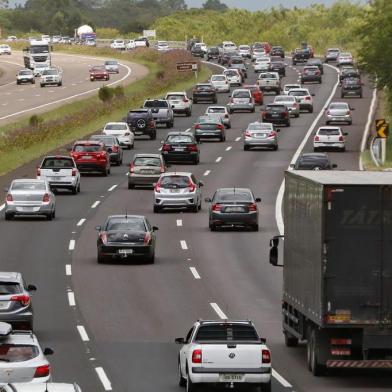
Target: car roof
(300,89)
(125,216)
(88,142)
(234,189)
(329,127)
(44,387)
(176,93)
(314,155)
(179,133)
(116,123)
(10,276)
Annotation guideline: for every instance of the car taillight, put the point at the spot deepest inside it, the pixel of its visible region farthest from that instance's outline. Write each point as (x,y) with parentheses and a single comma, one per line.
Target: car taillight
(115,148)
(131,168)
(185,100)
(104,237)
(316,138)
(191,186)
(220,126)
(252,207)
(272,134)
(38,172)
(348,113)
(9,197)
(285,114)
(265,356)
(42,371)
(158,188)
(102,154)
(307,98)
(197,356)
(162,169)
(73,172)
(46,198)
(341,138)
(216,207)
(192,147)
(23,299)
(147,238)
(248,134)
(166,147)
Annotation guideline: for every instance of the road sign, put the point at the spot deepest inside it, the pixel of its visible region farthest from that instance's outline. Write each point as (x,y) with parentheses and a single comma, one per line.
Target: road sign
(187,66)
(382,128)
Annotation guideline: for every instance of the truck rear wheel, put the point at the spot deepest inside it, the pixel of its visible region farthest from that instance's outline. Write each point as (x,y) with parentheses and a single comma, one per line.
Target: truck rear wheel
(266,387)
(312,349)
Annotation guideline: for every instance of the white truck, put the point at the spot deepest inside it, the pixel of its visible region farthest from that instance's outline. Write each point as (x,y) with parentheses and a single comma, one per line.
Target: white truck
(38,52)
(269,81)
(224,353)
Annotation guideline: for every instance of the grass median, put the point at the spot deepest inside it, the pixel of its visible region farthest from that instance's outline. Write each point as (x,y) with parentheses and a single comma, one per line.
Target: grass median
(22,142)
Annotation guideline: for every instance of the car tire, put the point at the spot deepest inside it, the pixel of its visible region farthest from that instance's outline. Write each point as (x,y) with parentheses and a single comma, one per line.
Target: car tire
(246,148)
(153,136)
(33,81)
(49,216)
(215,101)
(289,340)
(131,186)
(266,387)
(360,95)
(296,115)
(288,123)
(188,113)
(181,379)
(157,209)
(17,82)
(314,366)
(169,124)
(42,85)
(197,138)
(75,190)
(343,149)
(196,161)
(194,100)
(8,216)
(255,227)
(228,126)
(341,95)
(60,84)
(230,111)
(310,110)
(253,110)
(100,258)
(79,188)
(276,148)
(131,146)
(105,172)
(190,386)
(151,259)
(194,208)
(223,138)
(213,227)
(350,123)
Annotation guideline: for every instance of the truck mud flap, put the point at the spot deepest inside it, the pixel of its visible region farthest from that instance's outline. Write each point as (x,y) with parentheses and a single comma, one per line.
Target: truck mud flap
(367,364)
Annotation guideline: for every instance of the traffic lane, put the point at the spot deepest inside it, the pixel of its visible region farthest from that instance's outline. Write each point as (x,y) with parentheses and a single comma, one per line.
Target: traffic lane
(9,66)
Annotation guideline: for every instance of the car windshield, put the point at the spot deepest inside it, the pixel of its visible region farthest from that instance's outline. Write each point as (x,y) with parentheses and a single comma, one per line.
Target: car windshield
(25,73)
(338,106)
(179,139)
(174,182)
(290,87)
(87,148)
(116,127)
(225,332)
(328,131)
(129,224)
(7,288)
(111,63)
(28,186)
(98,69)
(17,352)
(57,163)
(204,87)
(298,93)
(218,78)
(156,104)
(241,94)
(259,127)
(49,72)
(230,195)
(310,162)
(147,161)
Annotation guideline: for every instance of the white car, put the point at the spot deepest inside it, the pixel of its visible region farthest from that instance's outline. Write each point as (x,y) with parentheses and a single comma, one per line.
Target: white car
(262,64)
(304,98)
(41,387)
(258,53)
(288,87)
(291,103)
(345,58)
(233,76)
(220,83)
(11,38)
(222,111)
(244,51)
(51,76)
(90,42)
(180,102)
(39,68)
(228,46)
(130,44)
(25,76)
(5,49)
(112,66)
(162,46)
(202,46)
(140,42)
(122,132)
(269,81)
(223,352)
(241,99)
(118,44)
(56,39)
(329,138)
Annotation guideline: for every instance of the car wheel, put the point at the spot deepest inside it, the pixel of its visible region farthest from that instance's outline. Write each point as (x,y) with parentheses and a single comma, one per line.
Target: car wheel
(197,138)
(75,190)
(79,188)
(100,258)
(246,148)
(310,110)
(215,101)
(255,227)
(151,259)
(181,379)
(223,138)
(360,95)
(33,81)
(8,216)
(54,214)
(276,147)
(341,95)
(169,124)
(253,110)
(230,111)
(106,172)
(190,386)
(157,209)
(288,123)
(213,227)
(350,123)
(343,149)
(266,387)
(49,216)
(188,113)
(42,85)
(228,125)
(194,100)
(196,161)
(60,84)
(131,186)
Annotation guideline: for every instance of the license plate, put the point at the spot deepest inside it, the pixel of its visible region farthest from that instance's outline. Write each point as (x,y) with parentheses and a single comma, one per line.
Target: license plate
(147,171)
(125,251)
(261,135)
(274,115)
(234,209)
(179,148)
(27,209)
(231,377)
(174,191)
(55,178)
(87,157)
(138,133)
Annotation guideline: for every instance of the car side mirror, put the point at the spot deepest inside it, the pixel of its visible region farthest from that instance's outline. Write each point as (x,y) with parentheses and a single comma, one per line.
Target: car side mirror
(173,107)
(258,200)
(334,166)
(313,94)
(98,228)
(48,351)
(201,183)
(292,166)
(208,200)
(352,108)
(31,287)
(274,251)
(277,129)
(155,228)
(345,133)
(179,340)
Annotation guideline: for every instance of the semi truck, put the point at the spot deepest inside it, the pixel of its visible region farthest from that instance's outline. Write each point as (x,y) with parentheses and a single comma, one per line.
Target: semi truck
(337,268)
(38,52)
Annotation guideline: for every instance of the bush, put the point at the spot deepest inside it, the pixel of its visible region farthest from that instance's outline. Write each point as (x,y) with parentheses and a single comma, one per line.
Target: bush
(118,92)
(105,94)
(35,121)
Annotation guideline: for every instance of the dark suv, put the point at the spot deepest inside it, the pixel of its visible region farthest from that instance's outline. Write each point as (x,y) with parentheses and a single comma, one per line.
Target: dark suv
(313,161)
(300,56)
(276,114)
(351,87)
(213,53)
(141,122)
(277,51)
(204,92)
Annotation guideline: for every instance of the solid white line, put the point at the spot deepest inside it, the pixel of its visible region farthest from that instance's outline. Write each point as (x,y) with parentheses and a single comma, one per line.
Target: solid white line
(195,273)
(184,246)
(218,310)
(179,222)
(71,245)
(218,159)
(188,130)
(280,379)
(112,188)
(207,172)
(68,269)
(81,222)
(237,139)
(83,333)
(2,207)
(228,148)
(71,298)
(95,204)
(104,379)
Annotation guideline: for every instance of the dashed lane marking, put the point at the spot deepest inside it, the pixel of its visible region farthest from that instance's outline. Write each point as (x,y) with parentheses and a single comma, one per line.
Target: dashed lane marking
(207,172)
(83,333)
(183,244)
(104,379)
(71,245)
(218,310)
(228,148)
(71,298)
(112,188)
(95,204)
(195,273)
(237,139)
(179,222)
(80,223)
(68,269)
(217,160)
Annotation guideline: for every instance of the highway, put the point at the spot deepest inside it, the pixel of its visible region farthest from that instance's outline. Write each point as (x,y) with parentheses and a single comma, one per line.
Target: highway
(112,326)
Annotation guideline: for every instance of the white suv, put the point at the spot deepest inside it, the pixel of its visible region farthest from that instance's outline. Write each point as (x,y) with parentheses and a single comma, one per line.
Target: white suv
(51,76)
(118,44)
(122,132)
(180,102)
(329,138)
(304,98)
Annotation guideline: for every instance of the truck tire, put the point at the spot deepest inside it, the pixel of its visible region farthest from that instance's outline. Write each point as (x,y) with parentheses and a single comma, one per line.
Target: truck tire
(290,340)
(312,349)
(266,387)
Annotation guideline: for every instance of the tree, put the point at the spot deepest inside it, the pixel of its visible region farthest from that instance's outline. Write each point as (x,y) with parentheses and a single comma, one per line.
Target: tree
(3,3)
(174,5)
(215,5)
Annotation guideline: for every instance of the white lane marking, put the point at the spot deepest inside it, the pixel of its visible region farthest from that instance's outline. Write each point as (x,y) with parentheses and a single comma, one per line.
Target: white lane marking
(83,333)
(179,222)
(217,160)
(280,379)
(2,207)
(71,245)
(4,104)
(73,84)
(228,148)
(107,385)
(218,310)
(188,130)
(207,172)
(37,95)
(80,223)
(95,204)
(195,273)
(21,99)
(237,139)
(112,188)
(279,197)
(68,269)
(71,298)
(183,244)
(367,129)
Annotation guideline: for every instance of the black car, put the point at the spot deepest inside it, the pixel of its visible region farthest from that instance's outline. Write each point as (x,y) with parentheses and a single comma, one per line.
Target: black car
(276,114)
(300,56)
(279,67)
(204,92)
(126,237)
(313,161)
(352,87)
(317,63)
(349,72)
(180,147)
(191,42)
(112,147)
(197,51)
(225,57)
(141,122)
(213,53)
(277,51)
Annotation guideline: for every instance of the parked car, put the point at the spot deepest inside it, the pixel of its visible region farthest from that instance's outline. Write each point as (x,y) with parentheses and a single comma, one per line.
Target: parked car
(141,122)
(91,156)
(277,51)
(126,237)
(257,94)
(60,172)
(29,197)
(351,87)
(112,147)
(180,147)
(178,190)
(222,112)
(112,66)
(161,111)
(98,72)
(210,127)
(241,99)
(260,134)
(331,55)
(338,112)
(50,77)
(122,132)
(276,114)
(220,83)
(304,98)
(180,102)
(313,161)
(145,169)
(25,76)
(290,102)
(233,207)
(310,74)
(329,138)
(204,92)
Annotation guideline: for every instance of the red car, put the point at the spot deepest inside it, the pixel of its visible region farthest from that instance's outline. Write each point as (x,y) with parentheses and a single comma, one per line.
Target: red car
(99,73)
(257,94)
(91,156)
(266,46)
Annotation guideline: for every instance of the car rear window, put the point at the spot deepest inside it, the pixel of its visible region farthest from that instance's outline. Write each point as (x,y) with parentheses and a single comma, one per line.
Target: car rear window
(298,93)
(50,72)
(156,104)
(286,98)
(275,108)
(131,224)
(17,352)
(116,127)
(7,288)
(338,106)
(49,163)
(87,148)
(311,162)
(175,97)
(108,141)
(147,161)
(173,182)
(241,94)
(28,186)
(233,195)
(268,76)
(219,78)
(179,139)
(259,127)
(216,110)
(326,131)
(226,332)
(231,73)
(111,63)
(204,87)
(25,73)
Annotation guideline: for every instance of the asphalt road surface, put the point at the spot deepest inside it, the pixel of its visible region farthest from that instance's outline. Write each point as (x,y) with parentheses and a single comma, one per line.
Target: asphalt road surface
(129,315)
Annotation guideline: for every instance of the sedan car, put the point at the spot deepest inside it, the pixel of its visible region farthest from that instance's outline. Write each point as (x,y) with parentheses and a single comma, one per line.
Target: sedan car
(241,99)
(178,190)
(338,112)
(180,147)
(30,197)
(233,207)
(126,237)
(290,102)
(276,114)
(331,54)
(91,156)
(145,170)
(222,111)
(112,147)
(259,134)
(262,64)
(329,138)
(304,98)
(313,161)
(310,74)
(204,92)
(180,102)
(99,72)
(220,83)
(345,58)
(122,132)
(210,127)
(112,66)
(25,76)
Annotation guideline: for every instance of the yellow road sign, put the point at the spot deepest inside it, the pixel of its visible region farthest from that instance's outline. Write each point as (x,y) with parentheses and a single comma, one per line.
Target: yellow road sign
(382,128)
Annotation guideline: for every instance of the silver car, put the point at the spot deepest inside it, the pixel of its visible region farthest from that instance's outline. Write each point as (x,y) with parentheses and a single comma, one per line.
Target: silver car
(260,134)
(338,112)
(41,387)
(30,197)
(21,357)
(222,111)
(241,99)
(112,66)
(291,103)
(145,170)
(178,190)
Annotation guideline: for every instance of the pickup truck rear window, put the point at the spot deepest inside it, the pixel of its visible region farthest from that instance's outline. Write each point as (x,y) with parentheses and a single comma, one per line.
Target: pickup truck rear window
(226,332)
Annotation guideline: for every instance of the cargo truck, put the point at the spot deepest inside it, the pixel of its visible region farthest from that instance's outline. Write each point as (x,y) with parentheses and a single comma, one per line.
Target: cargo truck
(37,53)
(337,268)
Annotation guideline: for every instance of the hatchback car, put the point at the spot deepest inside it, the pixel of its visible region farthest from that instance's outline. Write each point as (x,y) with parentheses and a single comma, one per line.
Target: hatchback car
(233,76)
(304,98)
(91,156)
(222,111)
(99,72)
(112,147)
(241,99)
(210,127)
(262,64)
(112,66)
(260,134)
(233,207)
(5,49)
(257,94)
(178,190)
(351,87)
(220,83)
(180,102)
(145,170)
(290,102)
(118,44)
(180,147)
(316,63)
(245,51)
(348,71)
(25,76)
(310,74)
(329,138)
(122,132)
(204,92)
(331,54)
(60,172)
(338,112)
(276,114)
(126,237)
(30,197)
(15,301)
(313,161)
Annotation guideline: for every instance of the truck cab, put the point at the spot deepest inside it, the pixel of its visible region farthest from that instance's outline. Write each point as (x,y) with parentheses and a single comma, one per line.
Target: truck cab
(38,52)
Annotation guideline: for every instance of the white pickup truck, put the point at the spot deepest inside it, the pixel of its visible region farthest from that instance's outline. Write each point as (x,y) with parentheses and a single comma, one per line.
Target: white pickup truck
(224,353)
(269,81)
